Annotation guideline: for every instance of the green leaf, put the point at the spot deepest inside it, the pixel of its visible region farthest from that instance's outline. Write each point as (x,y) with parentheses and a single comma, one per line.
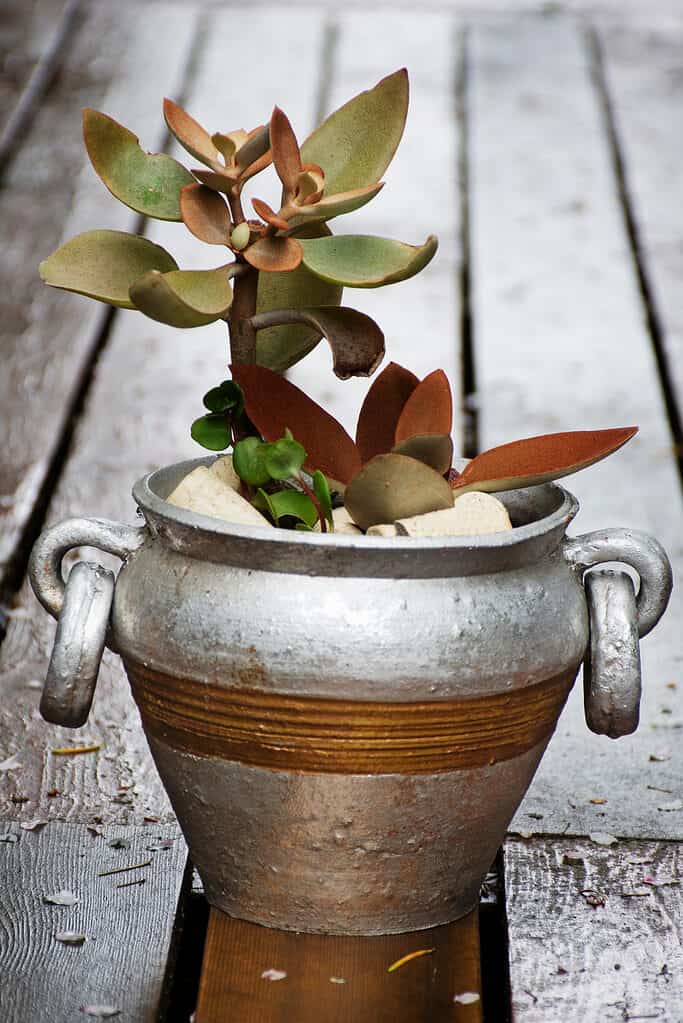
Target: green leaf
(278,348)
(293,502)
(183,298)
(284,458)
(211,432)
(434,449)
(104,264)
(363,261)
(228,395)
(356,341)
(392,487)
(334,205)
(148,183)
(356,143)
(321,489)
(249,461)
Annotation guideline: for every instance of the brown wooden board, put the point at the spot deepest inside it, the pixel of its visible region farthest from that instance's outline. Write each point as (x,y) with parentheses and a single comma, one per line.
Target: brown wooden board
(572,959)
(339,979)
(122,962)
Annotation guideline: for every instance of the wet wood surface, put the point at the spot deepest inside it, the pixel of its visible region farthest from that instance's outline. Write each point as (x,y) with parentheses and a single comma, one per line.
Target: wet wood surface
(531,142)
(339,978)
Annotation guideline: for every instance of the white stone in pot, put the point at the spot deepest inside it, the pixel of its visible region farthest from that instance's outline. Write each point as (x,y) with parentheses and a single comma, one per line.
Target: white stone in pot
(382,529)
(473,514)
(222,468)
(204,491)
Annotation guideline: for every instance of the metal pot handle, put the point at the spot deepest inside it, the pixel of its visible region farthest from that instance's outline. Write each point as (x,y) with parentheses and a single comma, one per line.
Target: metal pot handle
(81,607)
(617,618)
(45,564)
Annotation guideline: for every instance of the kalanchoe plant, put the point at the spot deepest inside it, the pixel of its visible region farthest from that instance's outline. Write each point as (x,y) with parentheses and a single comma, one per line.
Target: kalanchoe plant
(279,293)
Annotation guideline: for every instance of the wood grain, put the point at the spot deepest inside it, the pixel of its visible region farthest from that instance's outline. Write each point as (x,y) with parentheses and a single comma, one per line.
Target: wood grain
(561,344)
(646,92)
(25,30)
(419,316)
(338,979)
(127,930)
(617,961)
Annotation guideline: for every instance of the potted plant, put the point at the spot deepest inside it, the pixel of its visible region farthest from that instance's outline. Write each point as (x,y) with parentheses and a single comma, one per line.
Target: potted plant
(348,655)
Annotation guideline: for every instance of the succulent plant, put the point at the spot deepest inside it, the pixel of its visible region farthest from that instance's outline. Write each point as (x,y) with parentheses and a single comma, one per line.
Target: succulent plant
(279,294)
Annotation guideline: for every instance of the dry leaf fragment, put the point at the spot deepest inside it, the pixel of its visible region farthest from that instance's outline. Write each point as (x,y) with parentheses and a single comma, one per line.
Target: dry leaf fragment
(466,998)
(33,825)
(659,758)
(594,898)
(70,938)
(63,898)
(72,751)
(101,1011)
(337,980)
(408,958)
(675,804)
(272,974)
(597,802)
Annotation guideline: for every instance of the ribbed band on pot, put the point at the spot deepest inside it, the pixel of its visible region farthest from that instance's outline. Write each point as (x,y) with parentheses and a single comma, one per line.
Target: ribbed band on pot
(289,732)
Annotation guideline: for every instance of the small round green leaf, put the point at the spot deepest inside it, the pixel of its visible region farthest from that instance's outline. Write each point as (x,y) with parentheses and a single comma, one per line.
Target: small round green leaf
(284,458)
(228,395)
(148,183)
(104,264)
(392,487)
(183,298)
(249,461)
(294,503)
(363,261)
(212,432)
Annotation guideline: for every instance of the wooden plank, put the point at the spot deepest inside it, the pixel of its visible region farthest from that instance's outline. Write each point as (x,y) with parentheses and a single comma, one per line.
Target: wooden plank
(561,344)
(642,69)
(617,961)
(48,340)
(25,30)
(39,81)
(137,418)
(338,978)
(127,930)
(419,316)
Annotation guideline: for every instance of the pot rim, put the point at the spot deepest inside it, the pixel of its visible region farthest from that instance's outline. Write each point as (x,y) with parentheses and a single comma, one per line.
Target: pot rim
(204,537)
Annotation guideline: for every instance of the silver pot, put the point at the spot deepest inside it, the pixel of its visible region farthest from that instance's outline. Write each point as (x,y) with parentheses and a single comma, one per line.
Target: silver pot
(346,725)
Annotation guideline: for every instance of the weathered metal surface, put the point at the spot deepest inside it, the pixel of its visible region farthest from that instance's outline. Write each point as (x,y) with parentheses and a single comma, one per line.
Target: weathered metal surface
(78,646)
(464,650)
(611,669)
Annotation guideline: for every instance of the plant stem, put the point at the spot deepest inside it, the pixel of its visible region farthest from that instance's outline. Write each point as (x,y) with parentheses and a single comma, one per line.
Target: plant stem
(242,333)
(318,507)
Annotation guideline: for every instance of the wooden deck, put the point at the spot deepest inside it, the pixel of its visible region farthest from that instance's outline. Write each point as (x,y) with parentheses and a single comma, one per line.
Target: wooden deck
(544,149)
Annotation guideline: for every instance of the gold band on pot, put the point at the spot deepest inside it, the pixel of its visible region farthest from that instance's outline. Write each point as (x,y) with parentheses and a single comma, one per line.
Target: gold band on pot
(302,733)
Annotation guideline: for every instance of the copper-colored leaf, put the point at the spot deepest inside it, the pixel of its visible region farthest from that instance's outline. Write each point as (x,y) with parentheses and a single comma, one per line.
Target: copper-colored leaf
(265,212)
(190,134)
(274,405)
(274,254)
(429,409)
(228,144)
(219,181)
(525,463)
(356,341)
(392,487)
(205,214)
(256,146)
(380,412)
(325,208)
(285,149)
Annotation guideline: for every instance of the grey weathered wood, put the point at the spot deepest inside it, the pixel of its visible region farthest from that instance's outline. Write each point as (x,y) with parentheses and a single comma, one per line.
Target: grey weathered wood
(646,92)
(561,344)
(128,929)
(419,317)
(25,31)
(48,340)
(38,82)
(570,961)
